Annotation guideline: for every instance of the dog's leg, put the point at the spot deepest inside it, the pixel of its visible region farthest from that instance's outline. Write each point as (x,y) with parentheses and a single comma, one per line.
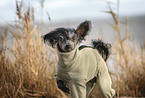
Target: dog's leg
(78,88)
(62,86)
(89,87)
(104,84)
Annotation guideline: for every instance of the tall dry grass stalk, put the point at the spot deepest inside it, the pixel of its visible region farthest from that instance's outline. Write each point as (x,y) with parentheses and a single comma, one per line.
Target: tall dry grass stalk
(28,67)
(129,61)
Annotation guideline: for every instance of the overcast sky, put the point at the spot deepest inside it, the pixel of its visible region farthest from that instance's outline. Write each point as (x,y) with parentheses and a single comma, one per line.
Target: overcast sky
(60,10)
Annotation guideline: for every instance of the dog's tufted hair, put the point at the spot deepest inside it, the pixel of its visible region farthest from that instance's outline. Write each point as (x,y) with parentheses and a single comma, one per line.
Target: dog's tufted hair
(103,48)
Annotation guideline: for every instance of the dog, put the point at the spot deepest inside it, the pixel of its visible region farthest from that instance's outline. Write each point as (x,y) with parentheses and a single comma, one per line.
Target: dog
(78,69)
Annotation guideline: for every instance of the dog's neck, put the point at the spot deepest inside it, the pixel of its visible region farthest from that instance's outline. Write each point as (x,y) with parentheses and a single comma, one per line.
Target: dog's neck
(67,59)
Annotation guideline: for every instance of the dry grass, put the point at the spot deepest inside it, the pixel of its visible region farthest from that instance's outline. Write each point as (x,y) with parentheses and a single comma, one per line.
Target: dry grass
(27,68)
(129,62)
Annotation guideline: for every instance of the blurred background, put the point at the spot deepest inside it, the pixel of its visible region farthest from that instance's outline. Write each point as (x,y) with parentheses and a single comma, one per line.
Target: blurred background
(69,13)
(22,22)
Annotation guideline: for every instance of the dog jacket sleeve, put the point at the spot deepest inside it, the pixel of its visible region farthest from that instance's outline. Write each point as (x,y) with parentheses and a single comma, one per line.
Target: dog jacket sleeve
(77,88)
(104,80)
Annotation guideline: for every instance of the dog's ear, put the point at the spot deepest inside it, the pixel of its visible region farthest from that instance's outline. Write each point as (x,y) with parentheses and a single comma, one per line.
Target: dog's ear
(53,37)
(83,29)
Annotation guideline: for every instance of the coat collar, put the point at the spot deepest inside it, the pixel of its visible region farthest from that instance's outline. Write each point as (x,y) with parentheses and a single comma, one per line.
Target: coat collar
(67,60)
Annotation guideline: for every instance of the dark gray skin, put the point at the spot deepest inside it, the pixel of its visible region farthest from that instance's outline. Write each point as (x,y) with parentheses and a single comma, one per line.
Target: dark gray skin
(67,38)
(69,43)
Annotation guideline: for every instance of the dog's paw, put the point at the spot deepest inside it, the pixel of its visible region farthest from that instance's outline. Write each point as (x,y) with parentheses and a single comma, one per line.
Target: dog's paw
(62,86)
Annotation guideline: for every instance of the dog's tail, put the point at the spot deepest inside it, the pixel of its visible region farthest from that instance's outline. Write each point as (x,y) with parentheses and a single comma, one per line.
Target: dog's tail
(103,48)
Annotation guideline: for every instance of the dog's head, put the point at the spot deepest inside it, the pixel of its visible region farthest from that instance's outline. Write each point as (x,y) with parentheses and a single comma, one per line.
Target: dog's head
(65,38)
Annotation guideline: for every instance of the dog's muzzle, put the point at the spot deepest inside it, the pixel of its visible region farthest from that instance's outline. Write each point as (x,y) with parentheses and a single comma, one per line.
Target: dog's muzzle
(68,48)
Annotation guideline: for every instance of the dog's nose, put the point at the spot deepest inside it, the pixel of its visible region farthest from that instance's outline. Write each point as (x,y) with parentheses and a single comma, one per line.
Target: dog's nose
(68,46)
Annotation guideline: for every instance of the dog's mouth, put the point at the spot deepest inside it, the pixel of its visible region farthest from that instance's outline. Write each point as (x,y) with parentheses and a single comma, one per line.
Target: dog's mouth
(68,48)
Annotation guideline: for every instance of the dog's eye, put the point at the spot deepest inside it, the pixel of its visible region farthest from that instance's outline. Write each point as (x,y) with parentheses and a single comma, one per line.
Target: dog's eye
(62,39)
